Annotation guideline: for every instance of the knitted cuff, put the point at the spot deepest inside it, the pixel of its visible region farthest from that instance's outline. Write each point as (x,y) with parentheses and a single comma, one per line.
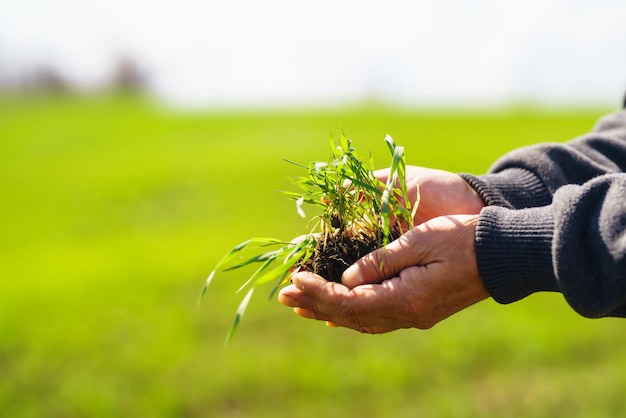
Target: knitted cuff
(513,188)
(514,252)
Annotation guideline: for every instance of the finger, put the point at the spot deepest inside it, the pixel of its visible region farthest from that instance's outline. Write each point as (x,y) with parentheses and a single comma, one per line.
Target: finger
(367,309)
(290,296)
(316,289)
(293,297)
(309,314)
(384,263)
(335,303)
(312,293)
(372,308)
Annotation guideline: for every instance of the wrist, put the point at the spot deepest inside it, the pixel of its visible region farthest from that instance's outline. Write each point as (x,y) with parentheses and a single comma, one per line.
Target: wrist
(513,188)
(514,252)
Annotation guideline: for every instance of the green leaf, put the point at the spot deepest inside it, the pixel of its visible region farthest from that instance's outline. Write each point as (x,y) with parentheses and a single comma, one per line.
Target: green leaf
(390,143)
(207,282)
(367,205)
(256,273)
(295,163)
(229,256)
(240,311)
(253,242)
(281,280)
(299,204)
(270,255)
(366,186)
(272,274)
(344,142)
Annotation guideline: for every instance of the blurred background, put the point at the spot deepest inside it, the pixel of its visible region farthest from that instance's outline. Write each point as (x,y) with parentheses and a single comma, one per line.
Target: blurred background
(141,140)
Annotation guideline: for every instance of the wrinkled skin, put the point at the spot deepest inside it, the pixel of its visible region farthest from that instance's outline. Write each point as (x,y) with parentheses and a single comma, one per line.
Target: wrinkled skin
(425,276)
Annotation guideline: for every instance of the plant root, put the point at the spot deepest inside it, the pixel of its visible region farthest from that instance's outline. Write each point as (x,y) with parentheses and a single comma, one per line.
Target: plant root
(336,251)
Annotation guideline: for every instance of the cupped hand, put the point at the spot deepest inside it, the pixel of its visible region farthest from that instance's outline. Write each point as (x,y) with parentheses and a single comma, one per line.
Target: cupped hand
(441,193)
(418,280)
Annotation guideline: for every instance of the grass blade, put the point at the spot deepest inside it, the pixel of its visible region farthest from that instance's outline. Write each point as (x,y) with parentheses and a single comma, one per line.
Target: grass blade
(271,255)
(252,242)
(272,274)
(207,282)
(256,273)
(299,209)
(353,201)
(295,163)
(240,311)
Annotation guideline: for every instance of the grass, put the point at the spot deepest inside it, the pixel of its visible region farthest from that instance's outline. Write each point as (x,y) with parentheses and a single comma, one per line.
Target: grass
(355,211)
(113,211)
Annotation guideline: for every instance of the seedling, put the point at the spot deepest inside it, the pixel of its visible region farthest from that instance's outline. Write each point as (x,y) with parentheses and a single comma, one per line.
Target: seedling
(359,214)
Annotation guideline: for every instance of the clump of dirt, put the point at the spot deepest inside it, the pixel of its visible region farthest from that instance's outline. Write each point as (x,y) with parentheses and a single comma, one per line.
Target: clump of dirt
(337,251)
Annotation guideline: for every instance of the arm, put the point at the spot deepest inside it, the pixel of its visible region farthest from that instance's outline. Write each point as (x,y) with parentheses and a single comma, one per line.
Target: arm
(576,246)
(565,238)
(523,243)
(529,176)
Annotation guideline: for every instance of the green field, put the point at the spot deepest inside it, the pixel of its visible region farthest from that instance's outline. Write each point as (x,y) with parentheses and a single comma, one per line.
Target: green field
(114,210)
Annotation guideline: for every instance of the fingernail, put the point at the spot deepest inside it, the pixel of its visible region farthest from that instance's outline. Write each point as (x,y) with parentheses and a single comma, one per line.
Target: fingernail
(352,277)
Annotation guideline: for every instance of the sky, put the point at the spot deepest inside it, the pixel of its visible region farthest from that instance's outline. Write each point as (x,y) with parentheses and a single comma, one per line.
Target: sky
(205,53)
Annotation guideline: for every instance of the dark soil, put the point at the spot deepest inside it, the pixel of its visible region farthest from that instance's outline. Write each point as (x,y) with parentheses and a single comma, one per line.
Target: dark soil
(337,252)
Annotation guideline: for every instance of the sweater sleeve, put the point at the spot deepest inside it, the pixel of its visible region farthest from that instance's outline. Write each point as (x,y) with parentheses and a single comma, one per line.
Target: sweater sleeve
(576,245)
(556,221)
(529,177)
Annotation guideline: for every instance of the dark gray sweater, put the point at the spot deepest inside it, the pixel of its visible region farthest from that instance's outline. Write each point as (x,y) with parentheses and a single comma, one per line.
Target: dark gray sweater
(556,221)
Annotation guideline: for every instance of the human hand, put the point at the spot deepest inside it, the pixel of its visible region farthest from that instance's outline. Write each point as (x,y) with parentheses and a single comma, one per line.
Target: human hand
(431,271)
(441,193)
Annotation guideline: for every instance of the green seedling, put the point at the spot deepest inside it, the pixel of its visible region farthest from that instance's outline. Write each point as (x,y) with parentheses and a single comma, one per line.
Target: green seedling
(359,214)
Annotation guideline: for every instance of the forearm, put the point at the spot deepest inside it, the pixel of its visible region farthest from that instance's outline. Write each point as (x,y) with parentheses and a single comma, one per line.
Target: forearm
(529,177)
(590,245)
(576,245)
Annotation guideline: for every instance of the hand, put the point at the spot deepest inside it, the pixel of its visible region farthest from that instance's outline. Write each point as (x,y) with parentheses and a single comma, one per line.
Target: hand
(431,271)
(441,193)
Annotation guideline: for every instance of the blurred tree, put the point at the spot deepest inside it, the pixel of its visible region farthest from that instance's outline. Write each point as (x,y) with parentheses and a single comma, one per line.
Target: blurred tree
(40,78)
(127,76)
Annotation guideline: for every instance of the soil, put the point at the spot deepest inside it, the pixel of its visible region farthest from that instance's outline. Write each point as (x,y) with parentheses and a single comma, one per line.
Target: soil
(337,252)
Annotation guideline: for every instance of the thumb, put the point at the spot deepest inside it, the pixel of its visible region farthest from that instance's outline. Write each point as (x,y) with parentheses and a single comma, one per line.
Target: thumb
(380,265)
